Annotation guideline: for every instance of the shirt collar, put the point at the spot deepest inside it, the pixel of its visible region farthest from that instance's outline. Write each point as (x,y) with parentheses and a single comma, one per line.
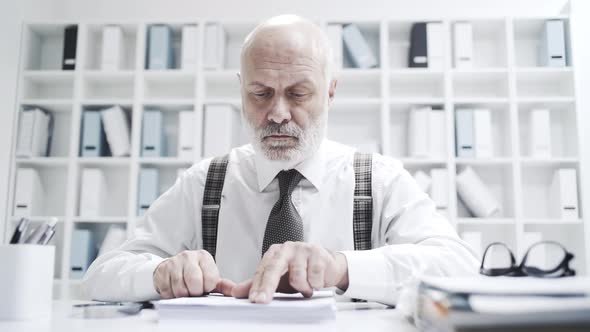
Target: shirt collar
(311,167)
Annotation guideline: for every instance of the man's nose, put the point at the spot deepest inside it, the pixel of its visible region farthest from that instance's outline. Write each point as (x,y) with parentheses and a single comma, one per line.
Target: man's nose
(280,111)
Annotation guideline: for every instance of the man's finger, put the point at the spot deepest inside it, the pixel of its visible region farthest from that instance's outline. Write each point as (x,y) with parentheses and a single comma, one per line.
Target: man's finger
(272,251)
(298,275)
(179,288)
(316,270)
(193,278)
(270,277)
(225,287)
(242,290)
(210,271)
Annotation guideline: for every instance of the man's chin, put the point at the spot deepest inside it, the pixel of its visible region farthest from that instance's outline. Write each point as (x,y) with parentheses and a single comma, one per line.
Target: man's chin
(281,153)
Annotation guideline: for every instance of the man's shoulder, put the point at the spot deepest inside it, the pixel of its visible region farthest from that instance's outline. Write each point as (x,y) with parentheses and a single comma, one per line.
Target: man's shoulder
(238,155)
(345,152)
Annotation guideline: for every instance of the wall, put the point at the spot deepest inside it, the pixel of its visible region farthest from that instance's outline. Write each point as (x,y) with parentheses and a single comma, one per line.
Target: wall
(12,13)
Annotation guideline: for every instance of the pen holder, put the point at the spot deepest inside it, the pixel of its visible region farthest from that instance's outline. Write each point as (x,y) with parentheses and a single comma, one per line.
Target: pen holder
(26,281)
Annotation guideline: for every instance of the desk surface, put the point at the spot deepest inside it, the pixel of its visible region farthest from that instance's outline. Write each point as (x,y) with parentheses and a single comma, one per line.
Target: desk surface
(354,317)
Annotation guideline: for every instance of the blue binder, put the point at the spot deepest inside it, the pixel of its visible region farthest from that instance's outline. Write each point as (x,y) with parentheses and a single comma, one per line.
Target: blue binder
(148,192)
(93,136)
(160,52)
(153,141)
(83,252)
(464,135)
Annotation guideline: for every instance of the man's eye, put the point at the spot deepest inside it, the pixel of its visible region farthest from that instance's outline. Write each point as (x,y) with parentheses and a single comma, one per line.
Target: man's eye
(298,95)
(262,94)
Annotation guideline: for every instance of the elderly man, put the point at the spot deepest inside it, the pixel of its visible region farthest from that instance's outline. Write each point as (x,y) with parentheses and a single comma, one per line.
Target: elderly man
(292,211)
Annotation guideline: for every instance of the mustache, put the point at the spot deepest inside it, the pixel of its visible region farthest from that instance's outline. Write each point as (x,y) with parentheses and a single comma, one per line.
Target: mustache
(273,128)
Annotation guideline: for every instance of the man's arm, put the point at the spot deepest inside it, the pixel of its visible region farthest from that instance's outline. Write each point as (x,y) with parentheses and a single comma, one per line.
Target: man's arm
(412,240)
(170,226)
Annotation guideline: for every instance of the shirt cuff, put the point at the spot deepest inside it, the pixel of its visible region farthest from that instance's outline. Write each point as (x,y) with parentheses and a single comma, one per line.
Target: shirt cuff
(144,280)
(369,277)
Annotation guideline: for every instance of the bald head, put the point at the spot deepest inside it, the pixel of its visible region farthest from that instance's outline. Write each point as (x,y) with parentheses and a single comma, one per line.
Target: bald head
(288,39)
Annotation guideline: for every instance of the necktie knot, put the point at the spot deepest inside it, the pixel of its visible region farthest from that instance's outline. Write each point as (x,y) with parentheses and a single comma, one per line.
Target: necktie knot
(288,180)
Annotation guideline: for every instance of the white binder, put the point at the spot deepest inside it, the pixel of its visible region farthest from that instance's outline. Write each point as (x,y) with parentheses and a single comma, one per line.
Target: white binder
(29,193)
(437,137)
(476,195)
(357,47)
(214,52)
(92,192)
(112,48)
(439,192)
(186,135)
(464,135)
(463,46)
(149,189)
(552,46)
(540,133)
(221,130)
(482,123)
(34,131)
(117,131)
(189,53)
(435,45)
(564,194)
(334,32)
(418,132)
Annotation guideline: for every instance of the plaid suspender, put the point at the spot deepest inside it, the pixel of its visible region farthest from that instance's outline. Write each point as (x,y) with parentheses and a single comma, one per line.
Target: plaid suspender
(362,219)
(212,202)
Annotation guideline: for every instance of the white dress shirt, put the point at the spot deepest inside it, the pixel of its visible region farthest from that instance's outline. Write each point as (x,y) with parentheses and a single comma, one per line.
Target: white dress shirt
(410,237)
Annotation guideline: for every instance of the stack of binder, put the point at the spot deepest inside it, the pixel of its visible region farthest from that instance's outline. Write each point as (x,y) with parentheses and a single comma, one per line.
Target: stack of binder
(117,131)
(502,304)
(564,194)
(99,127)
(437,185)
(34,133)
(93,191)
(463,45)
(540,133)
(476,195)
(334,33)
(189,51)
(83,252)
(186,133)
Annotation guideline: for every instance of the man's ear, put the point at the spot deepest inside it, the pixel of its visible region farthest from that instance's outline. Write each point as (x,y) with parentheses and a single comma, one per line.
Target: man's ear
(332,91)
(239,77)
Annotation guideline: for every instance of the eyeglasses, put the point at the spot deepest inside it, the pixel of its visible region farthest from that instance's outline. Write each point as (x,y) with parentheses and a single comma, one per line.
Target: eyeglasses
(545,259)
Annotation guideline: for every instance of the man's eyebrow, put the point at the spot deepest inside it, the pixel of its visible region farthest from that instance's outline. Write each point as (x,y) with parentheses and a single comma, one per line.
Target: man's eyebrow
(258,83)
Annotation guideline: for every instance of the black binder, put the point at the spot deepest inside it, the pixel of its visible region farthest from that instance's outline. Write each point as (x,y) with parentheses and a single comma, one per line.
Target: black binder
(69,54)
(418,54)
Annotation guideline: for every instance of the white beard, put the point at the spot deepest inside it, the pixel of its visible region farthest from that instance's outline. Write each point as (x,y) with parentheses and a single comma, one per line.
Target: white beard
(308,139)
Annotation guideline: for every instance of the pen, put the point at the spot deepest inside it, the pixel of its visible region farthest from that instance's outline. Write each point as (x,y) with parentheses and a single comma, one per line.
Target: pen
(19,232)
(39,232)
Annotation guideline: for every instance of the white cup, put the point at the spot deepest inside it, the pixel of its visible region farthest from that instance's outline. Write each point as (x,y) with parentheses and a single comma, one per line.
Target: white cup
(26,281)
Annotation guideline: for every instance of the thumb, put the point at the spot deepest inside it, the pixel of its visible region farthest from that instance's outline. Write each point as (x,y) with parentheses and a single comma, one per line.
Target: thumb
(242,290)
(225,287)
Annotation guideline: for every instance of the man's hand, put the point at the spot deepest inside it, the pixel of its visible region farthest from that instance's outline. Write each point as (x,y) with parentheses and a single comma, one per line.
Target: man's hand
(294,267)
(190,273)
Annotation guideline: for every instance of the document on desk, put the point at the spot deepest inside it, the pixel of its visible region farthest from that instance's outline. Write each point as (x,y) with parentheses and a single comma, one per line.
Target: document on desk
(284,308)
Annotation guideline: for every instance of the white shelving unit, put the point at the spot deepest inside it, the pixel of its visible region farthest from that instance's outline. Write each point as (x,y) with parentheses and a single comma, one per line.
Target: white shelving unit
(370,110)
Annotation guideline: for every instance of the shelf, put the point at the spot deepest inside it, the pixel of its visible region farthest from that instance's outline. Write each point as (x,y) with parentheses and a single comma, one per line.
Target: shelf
(38,219)
(48,85)
(165,161)
(94,43)
(107,102)
(103,161)
(486,221)
(100,220)
(416,84)
(48,76)
(54,105)
(491,85)
(170,84)
(237,102)
(555,222)
(43,161)
(416,101)
(480,100)
(545,100)
(417,162)
(549,162)
(169,101)
(545,82)
(483,161)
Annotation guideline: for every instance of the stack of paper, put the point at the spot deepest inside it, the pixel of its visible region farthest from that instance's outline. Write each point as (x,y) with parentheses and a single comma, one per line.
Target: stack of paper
(284,308)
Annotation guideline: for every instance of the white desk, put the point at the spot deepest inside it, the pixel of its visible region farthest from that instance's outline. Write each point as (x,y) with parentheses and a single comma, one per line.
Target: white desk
(354,317)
